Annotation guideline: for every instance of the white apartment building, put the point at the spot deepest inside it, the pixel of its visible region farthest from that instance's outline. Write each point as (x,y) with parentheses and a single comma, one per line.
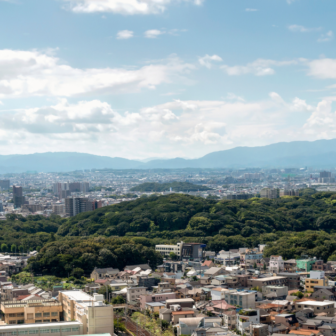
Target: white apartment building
(165,250)
(275,292)
(277,264)
(133,293)
(95,316)
(245,318)
(243,299)
(43,329)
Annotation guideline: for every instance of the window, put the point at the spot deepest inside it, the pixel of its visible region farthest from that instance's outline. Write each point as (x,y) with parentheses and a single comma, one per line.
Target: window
(66,329)
(46,314)
(20,315)
(12,315)
(30,316)
(46,321)
(12,322)
(45,331)
(54,331)
(38,315)
(23,332)
(38,321)
(33,331)
(75,329)
(54,314)
(20,321)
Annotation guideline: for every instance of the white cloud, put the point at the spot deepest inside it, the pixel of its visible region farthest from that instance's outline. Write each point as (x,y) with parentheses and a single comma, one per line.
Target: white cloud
(324,68)
(207,60)
(127,7)
(326,37)
(301,29)
(124,34)
(260,67)
(32,73)
(251,10)
(176,128)
(153,33)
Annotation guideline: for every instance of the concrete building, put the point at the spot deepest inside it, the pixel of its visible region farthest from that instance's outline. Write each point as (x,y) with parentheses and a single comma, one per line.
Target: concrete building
(4,184)
(325,177)
(243,299)
(95,316)
(321,266)
(18,198)
(159,297)
(245,318)
(292,278)
(275,292)
(250,257)
(230,319)
(165,250)
(58,209)
(104,273)
(184,303)
(277,264)
(76,205)
(318,307)
(133,293)
(305,264)
(289,192)
(269,193)
(192,251)
(33,311)
(275,280)
(317,278)
(43,329)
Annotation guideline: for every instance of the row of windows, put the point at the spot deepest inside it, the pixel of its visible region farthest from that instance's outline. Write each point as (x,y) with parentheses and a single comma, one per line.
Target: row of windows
(43,331)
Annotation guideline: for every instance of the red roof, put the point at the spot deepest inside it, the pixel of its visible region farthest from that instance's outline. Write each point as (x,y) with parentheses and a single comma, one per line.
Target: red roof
(207,263)
(186,312)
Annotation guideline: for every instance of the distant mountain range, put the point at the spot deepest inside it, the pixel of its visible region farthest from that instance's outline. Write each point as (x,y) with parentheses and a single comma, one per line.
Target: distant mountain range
(319,154)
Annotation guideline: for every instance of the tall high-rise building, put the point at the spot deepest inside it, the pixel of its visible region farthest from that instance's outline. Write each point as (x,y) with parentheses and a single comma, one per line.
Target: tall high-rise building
(18,198)
(269,193)
(76,205)
(4,184)
(325,177)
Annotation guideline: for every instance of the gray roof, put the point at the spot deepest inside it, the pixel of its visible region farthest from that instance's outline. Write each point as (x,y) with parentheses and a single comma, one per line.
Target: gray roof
(144,267)
(108,270)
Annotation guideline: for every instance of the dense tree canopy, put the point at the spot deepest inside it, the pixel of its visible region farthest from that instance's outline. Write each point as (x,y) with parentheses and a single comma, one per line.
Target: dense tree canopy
(126,233)
(176,187)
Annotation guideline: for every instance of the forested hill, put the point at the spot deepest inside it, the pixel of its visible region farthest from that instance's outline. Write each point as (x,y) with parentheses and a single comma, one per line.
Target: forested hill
(175,186)
(127,232)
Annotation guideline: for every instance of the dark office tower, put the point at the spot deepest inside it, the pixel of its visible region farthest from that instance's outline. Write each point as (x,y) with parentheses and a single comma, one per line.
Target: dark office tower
(18,199)
(4,184)
(325,174)
(76,205)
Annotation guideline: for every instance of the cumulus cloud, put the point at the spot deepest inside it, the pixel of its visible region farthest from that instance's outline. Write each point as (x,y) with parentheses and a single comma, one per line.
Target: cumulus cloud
(260,67)
(177,128)
(207,60)
(153,33)
(32,73)
(324,68)
(124,34)
(126,7)
(326,37)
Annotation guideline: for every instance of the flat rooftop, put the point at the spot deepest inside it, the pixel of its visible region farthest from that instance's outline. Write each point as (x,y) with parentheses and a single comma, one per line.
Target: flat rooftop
(78,295)
(39,325)
(316,303)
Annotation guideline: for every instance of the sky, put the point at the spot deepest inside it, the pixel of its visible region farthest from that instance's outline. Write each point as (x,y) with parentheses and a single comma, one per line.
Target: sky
(165,78)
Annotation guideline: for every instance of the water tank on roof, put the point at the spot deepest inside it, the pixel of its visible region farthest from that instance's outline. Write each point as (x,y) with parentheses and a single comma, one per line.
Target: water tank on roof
(98,297)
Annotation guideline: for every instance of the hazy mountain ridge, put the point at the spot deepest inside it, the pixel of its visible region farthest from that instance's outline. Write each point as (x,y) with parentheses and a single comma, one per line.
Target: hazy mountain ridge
(320,153)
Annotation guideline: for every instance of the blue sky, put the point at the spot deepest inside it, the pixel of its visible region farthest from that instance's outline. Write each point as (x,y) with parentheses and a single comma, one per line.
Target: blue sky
(164,78)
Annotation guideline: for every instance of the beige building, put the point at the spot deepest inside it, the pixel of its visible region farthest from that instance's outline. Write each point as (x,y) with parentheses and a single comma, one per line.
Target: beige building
(58,209)
(96,317)
(243,299)
(167,249)
(275,292)
(34,311)
(133,293)
(43,329)
(319,307)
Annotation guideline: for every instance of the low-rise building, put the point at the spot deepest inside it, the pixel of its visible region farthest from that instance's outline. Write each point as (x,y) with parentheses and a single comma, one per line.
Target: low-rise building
(229,318)
(96,317)
(34,311)
(293,280)
(177,315)
(275,280)
(184,303)
(43,329)
(165,250)
(318,307)
(133,293)
(245,318)
(276,264)
(243,299)
(317,278)
(159,297)
(104,273)
(275,292)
